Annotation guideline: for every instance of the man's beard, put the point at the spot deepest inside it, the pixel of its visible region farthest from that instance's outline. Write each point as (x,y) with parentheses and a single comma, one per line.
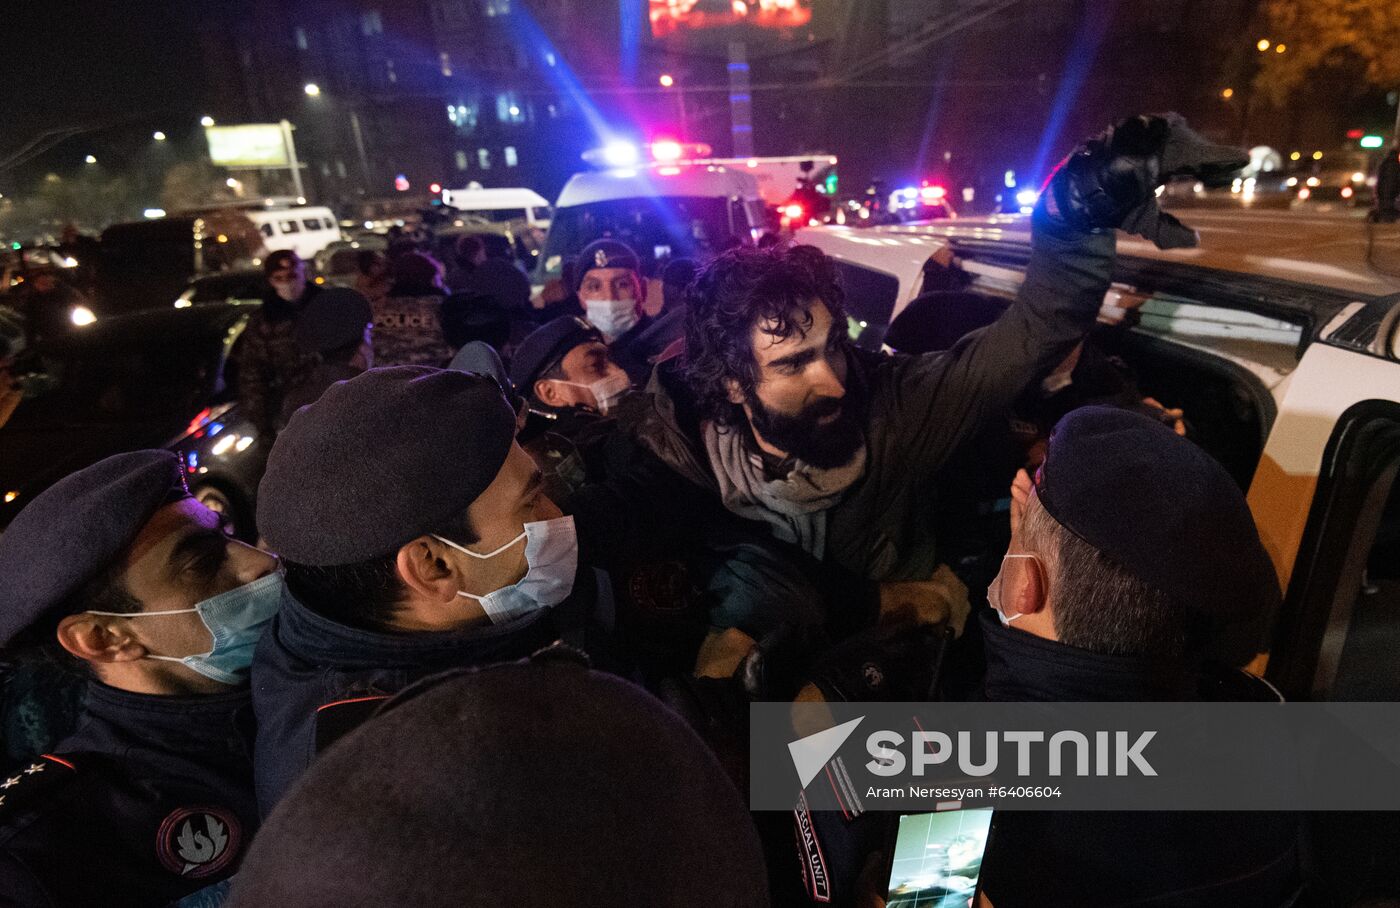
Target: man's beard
(821,445)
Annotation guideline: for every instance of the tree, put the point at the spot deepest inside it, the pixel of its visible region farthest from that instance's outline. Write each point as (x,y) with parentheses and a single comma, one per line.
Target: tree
(1359,35)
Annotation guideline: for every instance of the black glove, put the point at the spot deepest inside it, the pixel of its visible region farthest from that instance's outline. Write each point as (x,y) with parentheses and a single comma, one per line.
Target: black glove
(1111,180)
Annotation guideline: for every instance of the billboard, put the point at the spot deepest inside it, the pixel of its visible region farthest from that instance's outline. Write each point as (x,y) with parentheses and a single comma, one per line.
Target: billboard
(674,17)
(247,145)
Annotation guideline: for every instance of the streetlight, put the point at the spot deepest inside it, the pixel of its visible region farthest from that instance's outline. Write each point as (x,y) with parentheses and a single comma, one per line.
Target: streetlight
(90,159)
(1295,156)
(666,80)
(158,136)
(1227,94)
(1317,156)
(1263,45)
(206,121)
(1280,48)
(312,90)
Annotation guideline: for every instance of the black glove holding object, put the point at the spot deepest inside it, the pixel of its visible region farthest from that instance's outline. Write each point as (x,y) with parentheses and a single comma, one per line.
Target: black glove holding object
(1110,181)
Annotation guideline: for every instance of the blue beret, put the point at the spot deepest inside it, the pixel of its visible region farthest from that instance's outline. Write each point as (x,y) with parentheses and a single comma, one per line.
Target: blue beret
(1166,512)
(547,343)
(333,319)
(379,460)
(604,254)
(607,798)
(74,530)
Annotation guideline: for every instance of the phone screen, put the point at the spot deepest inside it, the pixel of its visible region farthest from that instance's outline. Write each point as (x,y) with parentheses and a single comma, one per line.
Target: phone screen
(937,858)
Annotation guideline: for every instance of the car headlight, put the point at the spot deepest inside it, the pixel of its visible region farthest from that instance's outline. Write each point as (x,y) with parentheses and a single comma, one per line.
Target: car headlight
(82,316)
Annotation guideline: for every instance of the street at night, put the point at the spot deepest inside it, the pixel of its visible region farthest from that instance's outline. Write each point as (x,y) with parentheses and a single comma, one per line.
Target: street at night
(874,453)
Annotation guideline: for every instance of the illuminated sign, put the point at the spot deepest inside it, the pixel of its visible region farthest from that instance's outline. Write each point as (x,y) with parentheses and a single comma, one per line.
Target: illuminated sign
(669,17)
(248,145)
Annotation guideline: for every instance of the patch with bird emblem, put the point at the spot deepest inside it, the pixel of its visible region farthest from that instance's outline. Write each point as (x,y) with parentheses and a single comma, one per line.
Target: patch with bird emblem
(197,842)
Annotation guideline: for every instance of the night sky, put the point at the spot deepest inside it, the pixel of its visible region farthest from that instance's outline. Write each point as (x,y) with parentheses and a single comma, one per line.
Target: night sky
(66,62)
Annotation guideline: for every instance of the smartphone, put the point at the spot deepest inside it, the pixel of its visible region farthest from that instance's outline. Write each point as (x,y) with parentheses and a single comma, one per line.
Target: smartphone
(936,858)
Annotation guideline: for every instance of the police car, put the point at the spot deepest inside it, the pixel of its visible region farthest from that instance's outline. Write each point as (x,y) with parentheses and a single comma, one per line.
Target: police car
(1278,338)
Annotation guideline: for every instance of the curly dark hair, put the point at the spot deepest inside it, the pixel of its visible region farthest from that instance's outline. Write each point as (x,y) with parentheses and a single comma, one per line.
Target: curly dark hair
(742,288)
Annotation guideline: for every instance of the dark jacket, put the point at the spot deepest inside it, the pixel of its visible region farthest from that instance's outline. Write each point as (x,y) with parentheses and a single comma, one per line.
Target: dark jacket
(306,665)
(1188,859)
(635,350)
(150,800)
(920,409)
(270,360)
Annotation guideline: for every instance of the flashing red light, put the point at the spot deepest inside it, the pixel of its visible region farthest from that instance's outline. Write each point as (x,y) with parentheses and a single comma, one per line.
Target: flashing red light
(198,420)
(1355,133)
(435,188)
(933,192)
(793,212)
(666,150)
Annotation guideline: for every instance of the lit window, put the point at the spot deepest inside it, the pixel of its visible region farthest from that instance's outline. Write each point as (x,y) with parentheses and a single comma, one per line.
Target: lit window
(511,159)
(461,159)
(299,36)
(483,158)
(508,109)
(371,23)
(497,7)
(445,63)
(390,71)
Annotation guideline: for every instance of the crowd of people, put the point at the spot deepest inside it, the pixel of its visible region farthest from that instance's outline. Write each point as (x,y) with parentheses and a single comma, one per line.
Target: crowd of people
(521,570)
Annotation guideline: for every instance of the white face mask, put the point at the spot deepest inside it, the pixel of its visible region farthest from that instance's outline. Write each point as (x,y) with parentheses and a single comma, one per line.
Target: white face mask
(551,556)
(606,391)
(994,591)
(612,317)
(235,620)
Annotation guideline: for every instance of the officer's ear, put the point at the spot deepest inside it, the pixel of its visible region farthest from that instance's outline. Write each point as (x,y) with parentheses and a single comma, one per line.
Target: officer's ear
(423,569)
(99,638)
(547,390)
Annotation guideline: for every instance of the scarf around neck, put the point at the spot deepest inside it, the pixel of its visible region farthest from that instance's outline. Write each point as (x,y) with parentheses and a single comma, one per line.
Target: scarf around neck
(794,506)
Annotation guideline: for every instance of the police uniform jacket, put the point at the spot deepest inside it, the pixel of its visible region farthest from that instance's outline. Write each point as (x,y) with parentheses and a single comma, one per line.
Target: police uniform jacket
(314,679)
(150,800)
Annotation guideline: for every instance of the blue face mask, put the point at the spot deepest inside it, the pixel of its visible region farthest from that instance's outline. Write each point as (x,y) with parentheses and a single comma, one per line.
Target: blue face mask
(551,557)
(235,620)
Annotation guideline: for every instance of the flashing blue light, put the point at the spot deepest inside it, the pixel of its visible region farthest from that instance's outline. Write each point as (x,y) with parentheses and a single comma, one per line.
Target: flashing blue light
(621,154)
(215,428)
(909,193)
(1026,198)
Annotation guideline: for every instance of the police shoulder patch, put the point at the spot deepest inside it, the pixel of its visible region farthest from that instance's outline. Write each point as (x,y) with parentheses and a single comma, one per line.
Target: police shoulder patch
(30,784)
(198,842)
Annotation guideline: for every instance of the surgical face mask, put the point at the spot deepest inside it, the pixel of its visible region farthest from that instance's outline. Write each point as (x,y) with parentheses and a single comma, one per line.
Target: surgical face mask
(612,317)
(607,390)
(235,620)
(551,557)
(994,591)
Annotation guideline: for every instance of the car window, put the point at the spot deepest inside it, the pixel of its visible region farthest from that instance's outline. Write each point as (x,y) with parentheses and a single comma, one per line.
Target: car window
(870,299)
(266,229)
(290,227)
(312,223)
(330,223)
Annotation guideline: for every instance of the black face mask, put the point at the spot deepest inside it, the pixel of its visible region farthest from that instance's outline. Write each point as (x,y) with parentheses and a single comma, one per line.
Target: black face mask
(824,446)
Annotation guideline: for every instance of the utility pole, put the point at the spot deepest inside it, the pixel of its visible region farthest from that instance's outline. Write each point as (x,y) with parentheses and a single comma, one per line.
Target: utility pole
(740,100)
(292,161)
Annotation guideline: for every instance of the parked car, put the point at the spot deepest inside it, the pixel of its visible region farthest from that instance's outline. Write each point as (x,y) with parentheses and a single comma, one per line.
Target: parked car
(1282,346)
(241,286)
(153,379)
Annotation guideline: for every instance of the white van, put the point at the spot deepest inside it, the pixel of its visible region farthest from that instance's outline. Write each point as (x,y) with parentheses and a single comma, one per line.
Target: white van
(662,211)
(305,229)
(501,205)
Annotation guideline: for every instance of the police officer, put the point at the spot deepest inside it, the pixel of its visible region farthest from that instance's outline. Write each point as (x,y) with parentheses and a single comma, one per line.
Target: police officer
(564,368)
(119,570)
(1135,573)
(609,283)
(529,784)
(269,358)
(336,326)
(417,537)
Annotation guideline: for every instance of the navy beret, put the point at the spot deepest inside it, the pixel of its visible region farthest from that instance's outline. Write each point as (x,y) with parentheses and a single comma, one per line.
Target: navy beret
(379,460)
(527,784)
(75,528)
(546,344)
(604,254)
(282,258)
(333,319)
(1169,514)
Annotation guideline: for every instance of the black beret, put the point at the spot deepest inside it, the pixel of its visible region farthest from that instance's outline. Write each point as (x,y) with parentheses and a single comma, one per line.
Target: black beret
(546,344)
(528,784)
(75,528)
(604,254)
(1169,514)
(333,319)
(379,460)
